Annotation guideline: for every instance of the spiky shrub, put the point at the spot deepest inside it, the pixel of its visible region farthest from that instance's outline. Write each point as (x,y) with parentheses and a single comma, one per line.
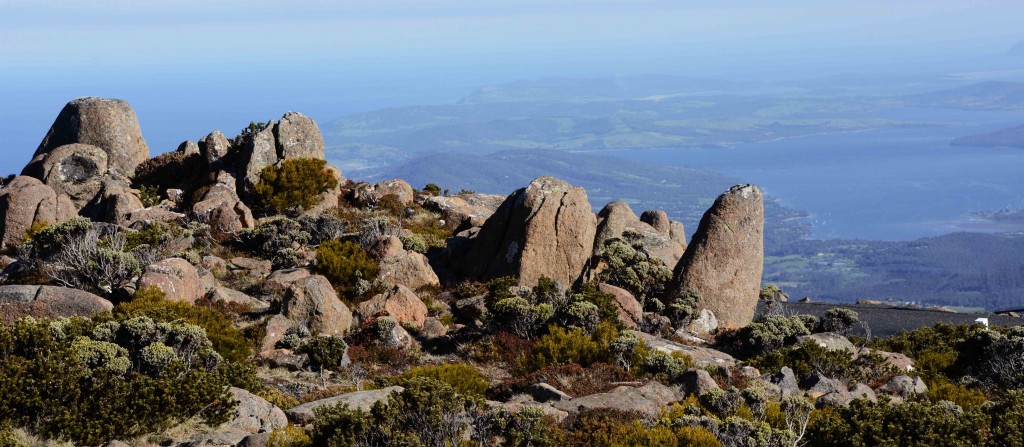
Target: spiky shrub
(462,377)
(76,254)
(345,264)
(840,320)
(325,352)
(92,380)
(294,185)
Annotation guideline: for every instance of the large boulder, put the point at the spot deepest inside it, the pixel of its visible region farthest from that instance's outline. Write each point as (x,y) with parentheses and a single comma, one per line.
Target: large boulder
(399,266)
(299,137)
(399,303)
(544,230)
(48,302)
(312,302)
(115,203)
(253,415)
(617,217)
(702,356)
(176,278)
(724,261)
(361,400)
(110,124)
(75,170)
(24,201)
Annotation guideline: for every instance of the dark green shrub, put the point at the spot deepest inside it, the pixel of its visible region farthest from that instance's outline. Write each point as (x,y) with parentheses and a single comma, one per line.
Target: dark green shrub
(92,380)
(295,185)
(344,264)
(566,346)
(432,189)
(912,424)
(839,320)
(325,352)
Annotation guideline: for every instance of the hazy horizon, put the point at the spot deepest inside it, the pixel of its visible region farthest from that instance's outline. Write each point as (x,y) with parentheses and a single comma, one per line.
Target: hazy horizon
(191,66)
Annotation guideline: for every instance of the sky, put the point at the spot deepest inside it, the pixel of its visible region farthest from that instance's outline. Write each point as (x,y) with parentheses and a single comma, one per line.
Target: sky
(189,67)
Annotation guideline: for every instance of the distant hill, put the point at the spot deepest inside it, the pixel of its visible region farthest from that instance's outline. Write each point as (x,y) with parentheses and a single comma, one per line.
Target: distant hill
(1017,50)
(1011,137)
(991,95)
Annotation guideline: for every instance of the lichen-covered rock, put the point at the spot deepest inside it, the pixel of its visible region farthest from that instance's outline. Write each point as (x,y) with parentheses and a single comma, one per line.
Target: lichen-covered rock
(465,210)
(698,381)
(276,328)
(48,302)
(24,201)
(724,261)
(251,416)
(904,387)
(280,280)
(544,230)
(830,341)
(231,296)
(901,362)
(75,170)
(399,303)
(176,278)
(313,303)
(257,153)
(399,266)
(114,204)
(657,219)
(631,313)
(367,194)
(213,148)
(703,357)
(299,137)
(109,124)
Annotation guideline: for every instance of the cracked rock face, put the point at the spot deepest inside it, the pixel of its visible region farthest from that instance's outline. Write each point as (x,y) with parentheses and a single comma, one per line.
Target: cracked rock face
(546,229)
(109,124)
(725,259)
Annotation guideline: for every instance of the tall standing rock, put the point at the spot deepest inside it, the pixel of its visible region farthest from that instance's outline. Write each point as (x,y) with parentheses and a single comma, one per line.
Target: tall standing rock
(725,258)
(110,124)
(546,229)
(299,137)
(259,151)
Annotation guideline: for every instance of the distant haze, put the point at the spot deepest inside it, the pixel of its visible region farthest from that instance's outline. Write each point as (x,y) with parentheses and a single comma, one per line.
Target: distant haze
(192,66)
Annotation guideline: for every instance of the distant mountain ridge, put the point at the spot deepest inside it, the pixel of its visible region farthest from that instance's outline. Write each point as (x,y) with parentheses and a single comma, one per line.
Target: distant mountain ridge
(1010,137)
(1017,50)
(989,95)
(556,89)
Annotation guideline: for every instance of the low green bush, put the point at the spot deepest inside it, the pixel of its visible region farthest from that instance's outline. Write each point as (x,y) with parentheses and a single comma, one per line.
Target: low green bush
(295,185)
(463,378)
(345,264)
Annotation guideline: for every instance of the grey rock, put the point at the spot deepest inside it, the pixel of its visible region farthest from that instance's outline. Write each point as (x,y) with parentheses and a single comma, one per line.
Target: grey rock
(49,302)
(830,341)
(544,392)
(363,400)
(213,148)
(785,379)
(188,148)
(24,201)
(698,381)
(904,387)
(702,356)
(862,391)
(648,400)
(257,153)
(312,302)
(299,137)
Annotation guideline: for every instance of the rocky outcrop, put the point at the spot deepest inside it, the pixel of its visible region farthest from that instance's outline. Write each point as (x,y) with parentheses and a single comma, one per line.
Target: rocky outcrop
(830,341)
(362,400)
(258,151)
(176,278)
(399,266)
(299,137)
(399,303)
(702,357)
(904,387)
(725,259)
(546,229)
(24,201)
(48,302)
(109,124)
(252,416)
(465,210)
(313,303)
(114,204)
(617,217)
